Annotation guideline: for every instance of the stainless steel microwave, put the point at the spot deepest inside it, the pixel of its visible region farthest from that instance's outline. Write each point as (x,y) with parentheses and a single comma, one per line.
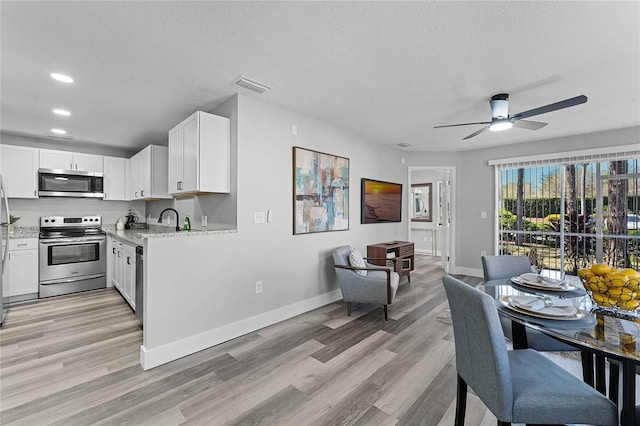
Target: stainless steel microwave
(67,183)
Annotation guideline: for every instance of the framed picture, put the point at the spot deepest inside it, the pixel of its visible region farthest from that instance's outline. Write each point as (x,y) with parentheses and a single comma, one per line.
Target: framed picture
(320,192)
(381,201)
(421,195)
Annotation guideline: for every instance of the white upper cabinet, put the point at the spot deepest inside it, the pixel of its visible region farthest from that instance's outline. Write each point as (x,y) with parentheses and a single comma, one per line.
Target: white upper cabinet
(115,178)
(148,174)
(65,160)
(199,155)
(20,171)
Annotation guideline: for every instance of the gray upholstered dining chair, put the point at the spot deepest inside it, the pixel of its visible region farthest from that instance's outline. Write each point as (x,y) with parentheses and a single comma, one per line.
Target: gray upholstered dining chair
(499,267)
(378,286)
(519,386)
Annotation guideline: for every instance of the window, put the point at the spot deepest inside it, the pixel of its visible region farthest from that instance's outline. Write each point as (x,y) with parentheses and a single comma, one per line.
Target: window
(572,212)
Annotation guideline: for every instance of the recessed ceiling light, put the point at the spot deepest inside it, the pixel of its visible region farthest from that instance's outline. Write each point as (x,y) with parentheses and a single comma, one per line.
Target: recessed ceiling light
(58,131)
(61,112)
(61,77)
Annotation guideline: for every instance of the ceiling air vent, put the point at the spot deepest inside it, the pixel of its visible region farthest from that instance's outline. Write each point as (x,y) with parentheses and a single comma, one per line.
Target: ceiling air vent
(252,85)
(51,135)
(403,145)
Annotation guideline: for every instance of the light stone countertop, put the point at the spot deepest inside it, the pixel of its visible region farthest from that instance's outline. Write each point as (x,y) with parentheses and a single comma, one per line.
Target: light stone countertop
(137,236)
(22,232)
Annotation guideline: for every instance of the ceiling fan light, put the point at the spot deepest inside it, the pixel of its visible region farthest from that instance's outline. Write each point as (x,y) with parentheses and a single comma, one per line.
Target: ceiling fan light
(500,125)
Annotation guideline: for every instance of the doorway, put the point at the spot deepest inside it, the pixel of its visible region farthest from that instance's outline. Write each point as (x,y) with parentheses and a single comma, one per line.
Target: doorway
(430,205)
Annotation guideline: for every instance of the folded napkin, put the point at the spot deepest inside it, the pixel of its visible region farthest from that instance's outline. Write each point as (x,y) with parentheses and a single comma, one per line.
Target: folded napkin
(528,303)
(551,282)
(530,278)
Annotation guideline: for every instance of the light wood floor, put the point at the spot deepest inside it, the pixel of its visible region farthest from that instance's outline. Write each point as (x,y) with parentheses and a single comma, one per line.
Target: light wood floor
(73,360)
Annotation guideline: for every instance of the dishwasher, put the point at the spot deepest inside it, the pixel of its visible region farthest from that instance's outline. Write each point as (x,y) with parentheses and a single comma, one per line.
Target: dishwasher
(139,283)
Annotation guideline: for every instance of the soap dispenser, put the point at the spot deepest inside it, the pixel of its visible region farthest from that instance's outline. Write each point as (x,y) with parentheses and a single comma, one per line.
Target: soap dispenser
(187,224)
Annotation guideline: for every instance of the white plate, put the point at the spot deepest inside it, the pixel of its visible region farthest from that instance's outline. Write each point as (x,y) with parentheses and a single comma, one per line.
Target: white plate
(541,286)
(547,313)
(531,278)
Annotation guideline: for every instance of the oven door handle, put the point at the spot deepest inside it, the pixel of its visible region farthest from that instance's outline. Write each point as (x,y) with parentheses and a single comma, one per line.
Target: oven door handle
(70,280)
(73,240)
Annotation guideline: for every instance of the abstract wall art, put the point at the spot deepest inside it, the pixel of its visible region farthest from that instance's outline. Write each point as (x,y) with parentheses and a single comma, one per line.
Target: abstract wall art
(321,192)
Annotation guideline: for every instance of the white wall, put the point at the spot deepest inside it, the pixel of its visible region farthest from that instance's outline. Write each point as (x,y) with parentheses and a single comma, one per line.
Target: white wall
(30,211)
(201,289)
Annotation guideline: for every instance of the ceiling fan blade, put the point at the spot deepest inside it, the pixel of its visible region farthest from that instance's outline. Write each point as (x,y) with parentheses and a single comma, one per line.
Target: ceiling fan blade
(551,107)
(484,129)
(528,124)
(462,124)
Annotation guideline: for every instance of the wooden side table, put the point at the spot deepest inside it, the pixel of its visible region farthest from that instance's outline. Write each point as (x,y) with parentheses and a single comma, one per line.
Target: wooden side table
(398,254)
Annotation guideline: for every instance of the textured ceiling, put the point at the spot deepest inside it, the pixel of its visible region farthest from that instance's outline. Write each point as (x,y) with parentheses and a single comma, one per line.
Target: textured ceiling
(389,71)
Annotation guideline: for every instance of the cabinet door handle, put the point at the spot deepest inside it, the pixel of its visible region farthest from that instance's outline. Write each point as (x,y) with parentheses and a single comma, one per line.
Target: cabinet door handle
(119,253)
(128,260)
(22,245)
(179,185)
(114,250)
(136,195)
(142,193)
(71,165)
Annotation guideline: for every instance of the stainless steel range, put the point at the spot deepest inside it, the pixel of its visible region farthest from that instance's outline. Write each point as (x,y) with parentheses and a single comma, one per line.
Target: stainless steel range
(72,255)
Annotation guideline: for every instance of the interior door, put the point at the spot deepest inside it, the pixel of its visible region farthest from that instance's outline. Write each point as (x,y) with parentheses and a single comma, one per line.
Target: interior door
(446,221)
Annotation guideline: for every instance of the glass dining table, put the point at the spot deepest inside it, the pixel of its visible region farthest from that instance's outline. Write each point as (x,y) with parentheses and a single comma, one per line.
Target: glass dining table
(600,334)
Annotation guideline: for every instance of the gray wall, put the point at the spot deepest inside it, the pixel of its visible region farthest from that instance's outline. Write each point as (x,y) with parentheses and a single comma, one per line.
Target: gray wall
(477,184)
(199,284)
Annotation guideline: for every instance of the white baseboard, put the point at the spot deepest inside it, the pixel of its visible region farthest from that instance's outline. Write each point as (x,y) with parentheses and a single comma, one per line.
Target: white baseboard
(150,358)
(472,272)
(429,252)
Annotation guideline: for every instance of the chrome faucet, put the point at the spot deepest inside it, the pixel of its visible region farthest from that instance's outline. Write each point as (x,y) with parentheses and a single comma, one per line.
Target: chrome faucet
(177,217)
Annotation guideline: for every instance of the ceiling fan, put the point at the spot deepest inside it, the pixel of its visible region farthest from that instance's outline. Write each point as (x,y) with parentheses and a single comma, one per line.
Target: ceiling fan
(501,120)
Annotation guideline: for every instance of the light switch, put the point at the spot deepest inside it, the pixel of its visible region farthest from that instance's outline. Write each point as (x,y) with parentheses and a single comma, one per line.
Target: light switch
(258,217)
(483,215)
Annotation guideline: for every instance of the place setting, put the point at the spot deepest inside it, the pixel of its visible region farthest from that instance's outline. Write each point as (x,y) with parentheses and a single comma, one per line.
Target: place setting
(547,307)
(532,281)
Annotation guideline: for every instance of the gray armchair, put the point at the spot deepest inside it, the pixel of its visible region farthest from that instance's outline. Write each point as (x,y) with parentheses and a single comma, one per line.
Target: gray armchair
(378,286)
(518,386)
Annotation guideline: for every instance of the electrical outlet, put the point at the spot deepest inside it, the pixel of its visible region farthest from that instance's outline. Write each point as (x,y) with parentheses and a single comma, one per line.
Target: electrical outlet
(258,217)
(483,253)
(258,287)
(483,215)
(204,221)
(294,129)
(424,238)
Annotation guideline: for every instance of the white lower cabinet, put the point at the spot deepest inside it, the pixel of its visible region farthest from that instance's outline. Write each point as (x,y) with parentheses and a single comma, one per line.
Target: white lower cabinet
(122,269)
(21,271)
